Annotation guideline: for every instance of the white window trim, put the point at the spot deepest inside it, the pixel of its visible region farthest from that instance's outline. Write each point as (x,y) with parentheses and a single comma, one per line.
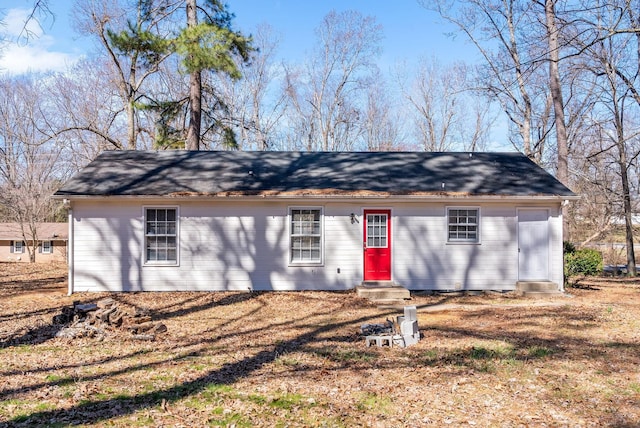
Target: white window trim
(48,250)
(462,241)
(289,233)
(145,262)
(15,247)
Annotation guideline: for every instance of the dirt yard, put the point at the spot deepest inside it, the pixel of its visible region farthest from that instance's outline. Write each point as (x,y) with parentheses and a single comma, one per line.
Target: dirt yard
(297,359)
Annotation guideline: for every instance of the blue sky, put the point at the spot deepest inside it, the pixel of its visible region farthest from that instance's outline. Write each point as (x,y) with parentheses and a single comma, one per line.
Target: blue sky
(410,31)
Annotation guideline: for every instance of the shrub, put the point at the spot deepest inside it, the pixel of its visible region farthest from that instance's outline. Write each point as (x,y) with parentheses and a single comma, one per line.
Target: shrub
(568,247)
(586,261)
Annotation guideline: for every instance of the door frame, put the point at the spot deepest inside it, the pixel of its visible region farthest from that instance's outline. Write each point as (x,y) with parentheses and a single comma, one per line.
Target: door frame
(548,211)
(390,235)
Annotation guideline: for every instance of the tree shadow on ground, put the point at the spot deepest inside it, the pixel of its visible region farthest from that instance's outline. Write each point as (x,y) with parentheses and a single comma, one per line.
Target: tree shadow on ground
(99,410)
(31,286)
(522,345)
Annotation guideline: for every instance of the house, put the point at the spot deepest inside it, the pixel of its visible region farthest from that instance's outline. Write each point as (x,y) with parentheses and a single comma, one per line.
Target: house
(180,220)
(51,241)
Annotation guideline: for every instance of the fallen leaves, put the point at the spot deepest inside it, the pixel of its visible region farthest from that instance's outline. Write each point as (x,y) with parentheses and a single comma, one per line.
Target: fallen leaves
(297,359)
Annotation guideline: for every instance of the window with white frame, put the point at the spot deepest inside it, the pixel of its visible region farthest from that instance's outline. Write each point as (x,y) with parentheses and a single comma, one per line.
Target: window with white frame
(46,247)
(305,235)
(18,247)
(463,224)
(161,235)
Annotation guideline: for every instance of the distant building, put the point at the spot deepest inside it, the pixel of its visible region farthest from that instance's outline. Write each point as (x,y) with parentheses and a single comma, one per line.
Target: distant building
(52,242)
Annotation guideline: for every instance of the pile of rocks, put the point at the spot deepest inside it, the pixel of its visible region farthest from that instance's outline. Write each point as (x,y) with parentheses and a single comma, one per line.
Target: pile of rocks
(106,315)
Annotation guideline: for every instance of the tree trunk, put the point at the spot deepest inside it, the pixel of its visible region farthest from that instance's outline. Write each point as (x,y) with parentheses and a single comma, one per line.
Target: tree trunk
(195,90)
(131,125)
(556,92)
(626,199)
(562,172)
(195,111)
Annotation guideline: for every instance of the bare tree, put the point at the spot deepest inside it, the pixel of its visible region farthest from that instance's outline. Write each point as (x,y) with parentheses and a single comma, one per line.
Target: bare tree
(38,13)
(255,104)
(134,39)
(446,111)
(29,159)
(323,97)
(608,37)
(89,111)
(382,122)
(553,37)
(504,33)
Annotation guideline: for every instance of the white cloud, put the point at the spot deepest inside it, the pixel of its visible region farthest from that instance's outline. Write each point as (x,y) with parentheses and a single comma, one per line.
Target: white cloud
(14,21)
(22,59)
(29,50)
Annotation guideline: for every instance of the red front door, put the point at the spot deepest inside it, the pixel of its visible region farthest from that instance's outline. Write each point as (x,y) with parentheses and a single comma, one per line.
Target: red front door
(377,245)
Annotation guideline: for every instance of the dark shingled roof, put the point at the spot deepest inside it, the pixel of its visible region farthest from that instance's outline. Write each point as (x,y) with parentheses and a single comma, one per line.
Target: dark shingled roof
(177,173)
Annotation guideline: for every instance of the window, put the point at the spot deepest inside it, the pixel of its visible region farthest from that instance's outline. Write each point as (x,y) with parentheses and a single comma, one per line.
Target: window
(463,224)
(306,235)
(161,236)
(46,247)
(377,231)
(18,247)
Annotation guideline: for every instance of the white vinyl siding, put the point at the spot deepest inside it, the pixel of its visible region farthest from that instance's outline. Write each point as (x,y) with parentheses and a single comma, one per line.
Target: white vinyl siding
(463,224)
(161,235)
(305,235)
(226,245)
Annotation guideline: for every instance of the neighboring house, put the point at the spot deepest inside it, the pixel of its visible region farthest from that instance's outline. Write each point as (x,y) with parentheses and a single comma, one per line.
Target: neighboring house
(51,242)
(179,220)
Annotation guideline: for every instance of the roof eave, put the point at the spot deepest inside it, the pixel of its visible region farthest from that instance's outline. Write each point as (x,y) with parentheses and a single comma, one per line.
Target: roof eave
(390,198)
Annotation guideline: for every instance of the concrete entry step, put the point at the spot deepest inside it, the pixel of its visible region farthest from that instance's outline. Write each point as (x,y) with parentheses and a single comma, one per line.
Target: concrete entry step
(538,289)
(537,286)
(385,291)
(542,294)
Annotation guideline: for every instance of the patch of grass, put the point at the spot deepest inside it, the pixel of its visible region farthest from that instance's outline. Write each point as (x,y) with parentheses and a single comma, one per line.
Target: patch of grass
(122,396)
(101,396)
(43,407)
(498,352)
(482,353)
(24,349)
(141,421)
(288,401)
(68,392)
(376,403)
(483,358)
(21,418)
(212,394)
(59,380)
(428,358)
(228,419)
(198,367)
(157,382)
(287,361)
(216,389)
(257,399)
(539,352)
(15,408)
(347,355)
